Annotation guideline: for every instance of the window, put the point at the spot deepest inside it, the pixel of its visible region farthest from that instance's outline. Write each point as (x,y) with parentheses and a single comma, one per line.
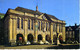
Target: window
(32,25)
(46,26)
(56,28)
(18,22)
(28,24)
(39,25)
(22,23)
(59,27)
(53,27)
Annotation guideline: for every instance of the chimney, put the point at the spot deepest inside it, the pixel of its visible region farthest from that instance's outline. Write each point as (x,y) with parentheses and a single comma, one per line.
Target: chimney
(36,8)
(75,24)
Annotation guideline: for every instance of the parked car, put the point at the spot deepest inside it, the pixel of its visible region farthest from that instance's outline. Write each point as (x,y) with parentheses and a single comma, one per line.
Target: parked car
(40,42)
(46,42)
(19,42)
(34,42)
(75,42)
(28,42)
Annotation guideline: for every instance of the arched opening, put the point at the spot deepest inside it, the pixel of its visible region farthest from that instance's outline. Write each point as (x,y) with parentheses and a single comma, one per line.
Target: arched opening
(19,39)
(55,39)
(30,37)
(60,39)
(39,37)
(48,38)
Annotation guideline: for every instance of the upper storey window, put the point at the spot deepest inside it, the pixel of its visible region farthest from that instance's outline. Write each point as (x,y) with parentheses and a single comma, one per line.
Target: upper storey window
(28,24)
(59,28)
(32,25)
(22,23)
(39,25)
(18,21)
(56,27)
(53,27)
(48,26)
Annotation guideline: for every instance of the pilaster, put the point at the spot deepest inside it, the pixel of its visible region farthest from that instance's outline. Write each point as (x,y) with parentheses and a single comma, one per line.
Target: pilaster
(51,32)
(12,30)
(63,32)
(25,27)
(58,42)
(57,28)
(19,23)
(35,30)
(40,25)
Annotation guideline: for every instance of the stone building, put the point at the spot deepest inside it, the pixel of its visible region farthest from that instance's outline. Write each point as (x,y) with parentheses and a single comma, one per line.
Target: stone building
(72,33)
(1,28)
(33,26)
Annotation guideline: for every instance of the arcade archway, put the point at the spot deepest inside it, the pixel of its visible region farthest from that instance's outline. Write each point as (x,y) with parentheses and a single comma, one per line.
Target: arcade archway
(39,37)
(47,38)
(55,39)
(60,39)
(19,38)
(30,37)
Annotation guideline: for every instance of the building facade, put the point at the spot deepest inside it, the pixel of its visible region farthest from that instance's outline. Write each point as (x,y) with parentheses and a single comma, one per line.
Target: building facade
(72,33)
(33,26)
(1,28)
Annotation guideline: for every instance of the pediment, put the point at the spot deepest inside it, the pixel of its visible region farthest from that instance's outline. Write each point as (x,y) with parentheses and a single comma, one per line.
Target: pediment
(42,16)
(69,28)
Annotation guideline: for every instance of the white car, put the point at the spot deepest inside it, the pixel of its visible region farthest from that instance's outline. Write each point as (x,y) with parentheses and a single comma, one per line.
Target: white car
(41,42)
(46,42)
(28,42)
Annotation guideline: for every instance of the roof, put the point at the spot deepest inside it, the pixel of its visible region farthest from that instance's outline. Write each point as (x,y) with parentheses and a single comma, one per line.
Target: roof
(72,27)
(33,12)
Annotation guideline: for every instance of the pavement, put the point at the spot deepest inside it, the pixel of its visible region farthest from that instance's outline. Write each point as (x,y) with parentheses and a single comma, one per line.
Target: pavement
(62,46)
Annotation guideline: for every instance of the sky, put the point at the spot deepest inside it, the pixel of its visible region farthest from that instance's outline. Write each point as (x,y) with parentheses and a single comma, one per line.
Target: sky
(66,10)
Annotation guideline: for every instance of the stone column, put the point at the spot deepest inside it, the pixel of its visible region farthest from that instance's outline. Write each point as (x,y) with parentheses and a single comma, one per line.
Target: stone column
(44,33)
(58,42)
(63,32)
(51,32)
(10,30)
(43,37)
(40,25)
(13,30)
(54,27)
(25,27)
(57,28)
(35,30)
(19,23)
(33,24)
